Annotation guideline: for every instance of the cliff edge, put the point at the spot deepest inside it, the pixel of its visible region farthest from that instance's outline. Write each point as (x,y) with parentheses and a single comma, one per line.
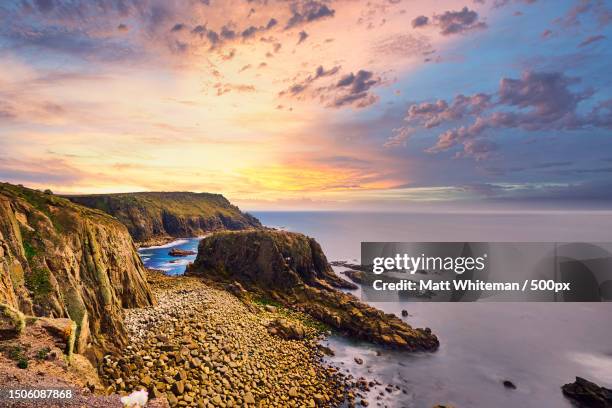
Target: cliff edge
(155,217)
(291,268)
(62,260)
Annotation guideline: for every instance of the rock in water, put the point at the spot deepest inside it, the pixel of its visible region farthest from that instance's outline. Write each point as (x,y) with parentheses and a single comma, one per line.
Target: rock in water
(180,252)
(291,269)
(586,394)
(62,260)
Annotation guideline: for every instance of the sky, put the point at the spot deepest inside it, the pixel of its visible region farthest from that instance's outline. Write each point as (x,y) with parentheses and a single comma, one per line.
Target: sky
(312,104)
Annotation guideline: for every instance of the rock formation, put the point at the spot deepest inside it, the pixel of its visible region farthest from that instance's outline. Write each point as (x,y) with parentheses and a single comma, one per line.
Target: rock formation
(154,217)
(62,260)
(291,268)
(586,394)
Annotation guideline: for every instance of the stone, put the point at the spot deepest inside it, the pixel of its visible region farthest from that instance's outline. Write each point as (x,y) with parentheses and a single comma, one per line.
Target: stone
(286,329)
(180,252)
(358,360)
(178,387)
(586,394)
(248,398)
(12,322)
(509,384)
(293,392)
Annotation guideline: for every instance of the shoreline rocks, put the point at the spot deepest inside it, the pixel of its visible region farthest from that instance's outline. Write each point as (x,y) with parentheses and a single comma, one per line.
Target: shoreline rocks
(202,346)
(586,394)
(180,252)
(291,269)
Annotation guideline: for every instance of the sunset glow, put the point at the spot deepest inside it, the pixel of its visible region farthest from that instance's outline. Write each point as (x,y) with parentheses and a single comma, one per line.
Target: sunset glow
(292,104)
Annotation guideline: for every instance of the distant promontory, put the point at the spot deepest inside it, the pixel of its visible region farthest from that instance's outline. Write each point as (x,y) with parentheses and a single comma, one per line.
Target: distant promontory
(157,217)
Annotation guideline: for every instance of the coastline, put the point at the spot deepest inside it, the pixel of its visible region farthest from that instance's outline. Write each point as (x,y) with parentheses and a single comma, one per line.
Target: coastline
(201,341)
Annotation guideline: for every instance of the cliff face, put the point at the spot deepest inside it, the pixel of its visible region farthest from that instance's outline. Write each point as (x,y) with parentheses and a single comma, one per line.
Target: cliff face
(291,268)
(267,258)
(59,259)
(152,216)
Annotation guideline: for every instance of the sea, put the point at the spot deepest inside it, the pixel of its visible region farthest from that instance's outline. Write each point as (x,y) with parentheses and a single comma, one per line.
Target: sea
(537,346)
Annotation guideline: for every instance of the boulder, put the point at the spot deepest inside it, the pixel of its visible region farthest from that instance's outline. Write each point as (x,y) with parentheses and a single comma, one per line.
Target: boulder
(12,322)
(286,329)
(62,330)
(586,394)
(180,252)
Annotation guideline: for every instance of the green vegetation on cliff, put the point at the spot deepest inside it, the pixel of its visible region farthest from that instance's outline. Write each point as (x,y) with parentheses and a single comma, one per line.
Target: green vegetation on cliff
(152,216)
(291,269)
(63,260)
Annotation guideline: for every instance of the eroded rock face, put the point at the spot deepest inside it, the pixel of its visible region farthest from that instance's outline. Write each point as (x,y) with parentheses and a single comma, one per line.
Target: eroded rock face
(61,260)
(291,268)
(154,216)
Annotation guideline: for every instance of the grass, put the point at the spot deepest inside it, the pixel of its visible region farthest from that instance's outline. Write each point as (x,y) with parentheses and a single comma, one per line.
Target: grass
(43,353)
(17,354)
(30,252)
(38,281)
(304,319)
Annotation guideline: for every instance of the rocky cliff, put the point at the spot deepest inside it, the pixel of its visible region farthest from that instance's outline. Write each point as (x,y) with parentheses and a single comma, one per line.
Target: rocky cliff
(291,268)
(62,260)
(152,217)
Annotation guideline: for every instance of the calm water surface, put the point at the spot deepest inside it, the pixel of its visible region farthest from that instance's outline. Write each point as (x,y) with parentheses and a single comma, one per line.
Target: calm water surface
(539,346)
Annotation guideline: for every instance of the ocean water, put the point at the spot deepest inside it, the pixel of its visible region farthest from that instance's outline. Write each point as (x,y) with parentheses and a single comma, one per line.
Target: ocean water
(538,346)
(157,257)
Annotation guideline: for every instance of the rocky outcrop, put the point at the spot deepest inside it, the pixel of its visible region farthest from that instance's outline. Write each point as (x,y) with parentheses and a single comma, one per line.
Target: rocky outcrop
(586,394)
(62,260)
(153,217)
(12,322)
(291,269)
(180,252)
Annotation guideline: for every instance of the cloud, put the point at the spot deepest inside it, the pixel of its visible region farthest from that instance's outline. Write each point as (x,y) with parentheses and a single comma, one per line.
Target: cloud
(535,101)
(400,137)
(420,21)
(596,8)
(223,88)
(591,40)
(300,87)
(546,33)
(307,12)
(353,89)
(303,37)
(455,22)
(178,27)
(451,22)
